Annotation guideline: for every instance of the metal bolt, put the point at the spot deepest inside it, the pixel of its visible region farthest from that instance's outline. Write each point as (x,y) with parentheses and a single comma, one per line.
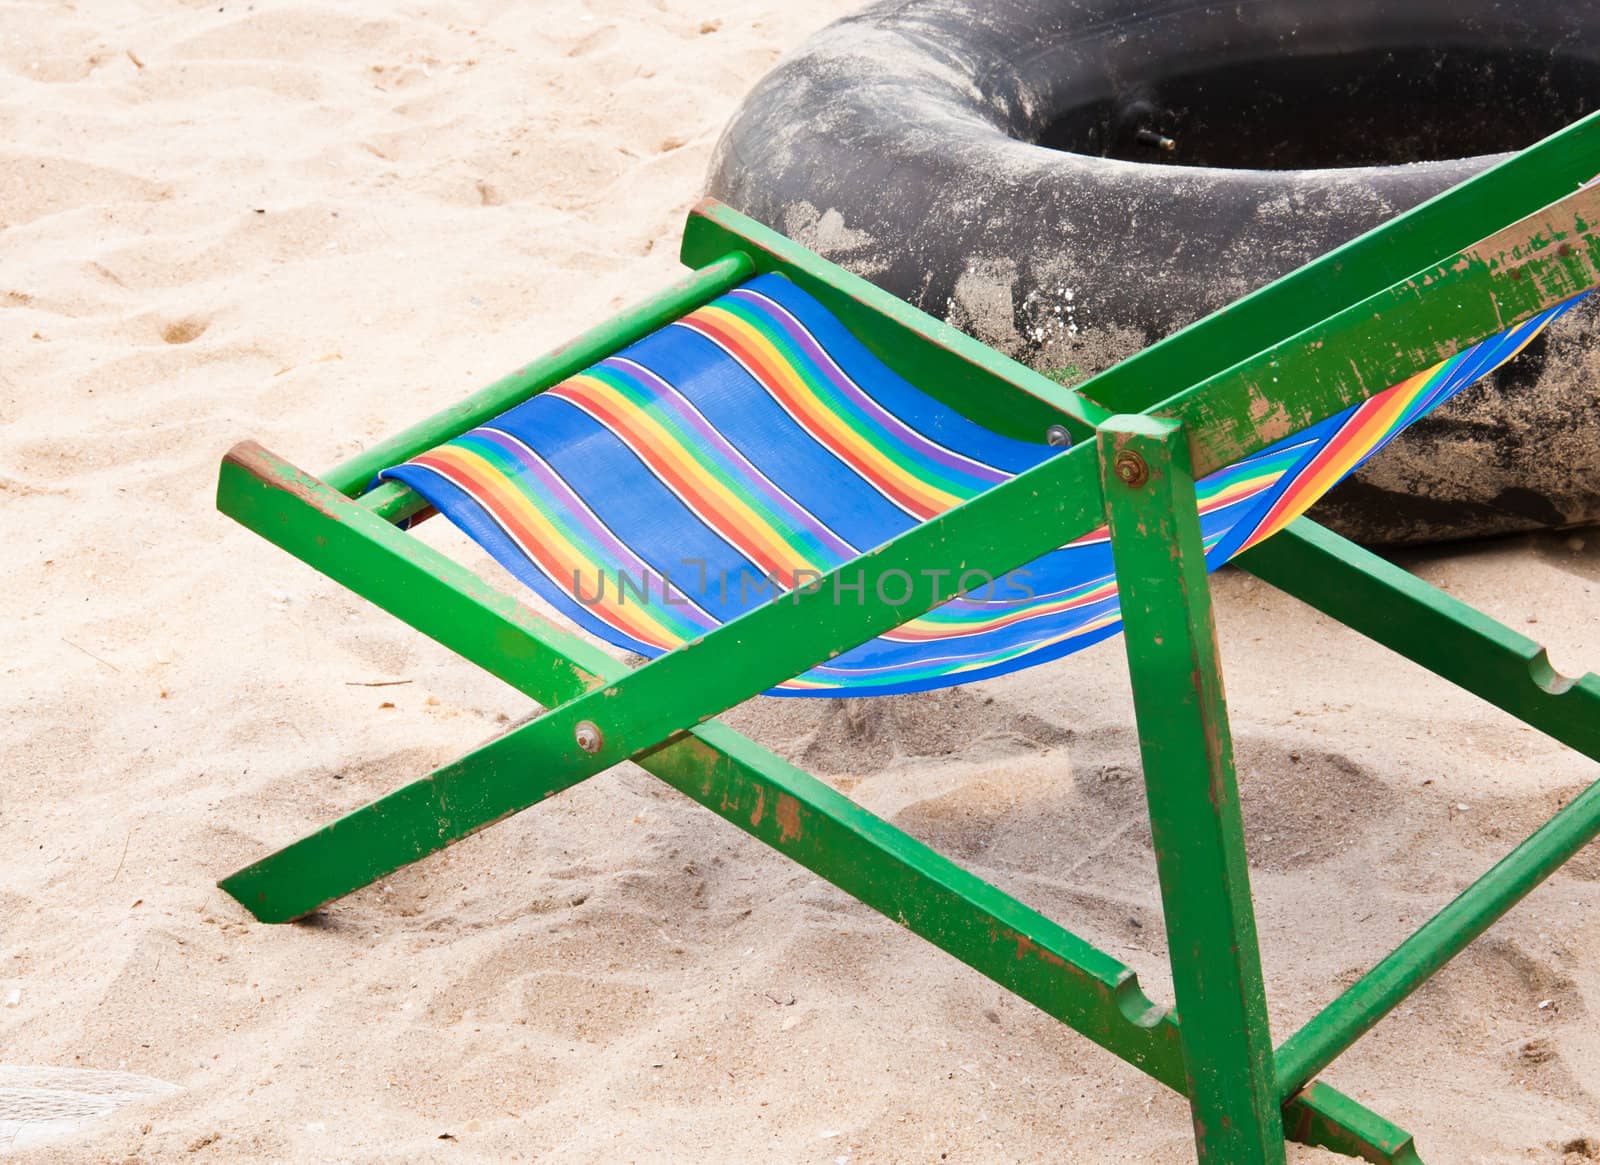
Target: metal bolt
(1130,469)
(1058,436)
(587,734)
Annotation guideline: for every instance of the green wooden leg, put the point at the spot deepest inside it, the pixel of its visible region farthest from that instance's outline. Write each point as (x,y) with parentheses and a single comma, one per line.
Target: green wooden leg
(1194,800)
(761,794)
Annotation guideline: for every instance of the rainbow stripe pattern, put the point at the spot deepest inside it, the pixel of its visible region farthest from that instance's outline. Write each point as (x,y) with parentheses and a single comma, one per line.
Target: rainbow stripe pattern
(754,445)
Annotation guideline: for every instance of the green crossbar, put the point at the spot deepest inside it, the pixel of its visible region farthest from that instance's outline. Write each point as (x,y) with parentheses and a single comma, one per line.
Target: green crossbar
(1496,250)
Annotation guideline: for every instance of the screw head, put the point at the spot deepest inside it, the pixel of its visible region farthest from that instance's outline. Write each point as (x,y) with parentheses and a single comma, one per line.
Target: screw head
(1058,436)
(1130,469)
(587,734)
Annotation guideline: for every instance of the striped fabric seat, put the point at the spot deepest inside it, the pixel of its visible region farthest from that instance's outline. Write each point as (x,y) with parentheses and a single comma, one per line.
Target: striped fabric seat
(755,444)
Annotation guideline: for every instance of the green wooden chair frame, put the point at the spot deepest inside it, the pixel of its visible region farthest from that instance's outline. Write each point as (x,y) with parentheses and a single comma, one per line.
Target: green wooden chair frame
(1496,250)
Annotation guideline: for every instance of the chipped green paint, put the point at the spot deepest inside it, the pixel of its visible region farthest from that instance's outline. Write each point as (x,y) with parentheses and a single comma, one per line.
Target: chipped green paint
(1324,1117)
(1282,359)
(813,824)
(1195,821)
(1386,337)
(1280,389)
(735,778)
(998,530)
(1460,216)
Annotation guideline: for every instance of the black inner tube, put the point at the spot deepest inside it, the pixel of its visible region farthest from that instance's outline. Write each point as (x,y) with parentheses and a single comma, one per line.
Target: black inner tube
(1374,107)
(999,164)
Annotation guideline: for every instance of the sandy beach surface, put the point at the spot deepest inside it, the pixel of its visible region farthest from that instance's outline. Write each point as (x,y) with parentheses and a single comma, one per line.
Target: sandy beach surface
(313,223)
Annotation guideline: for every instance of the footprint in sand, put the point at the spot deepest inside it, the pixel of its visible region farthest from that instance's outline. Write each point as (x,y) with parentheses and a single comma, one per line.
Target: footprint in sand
(859,736)
(184,331)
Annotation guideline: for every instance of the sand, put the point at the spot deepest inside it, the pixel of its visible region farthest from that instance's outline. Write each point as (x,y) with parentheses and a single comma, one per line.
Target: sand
(312,223)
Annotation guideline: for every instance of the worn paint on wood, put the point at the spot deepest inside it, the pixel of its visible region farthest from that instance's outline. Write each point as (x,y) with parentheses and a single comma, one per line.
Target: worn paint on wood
(1411,311)
(1195,821)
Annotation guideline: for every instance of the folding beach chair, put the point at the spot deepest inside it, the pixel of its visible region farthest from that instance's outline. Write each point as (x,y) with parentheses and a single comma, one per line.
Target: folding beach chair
(775,477)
